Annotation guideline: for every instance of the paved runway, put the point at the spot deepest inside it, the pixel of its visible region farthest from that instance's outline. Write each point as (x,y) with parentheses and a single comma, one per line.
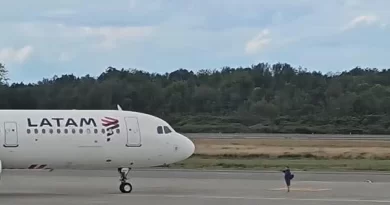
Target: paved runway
(175,187)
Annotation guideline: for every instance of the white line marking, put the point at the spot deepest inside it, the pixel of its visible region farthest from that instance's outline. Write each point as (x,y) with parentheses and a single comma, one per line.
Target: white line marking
(260,198)
(300,189)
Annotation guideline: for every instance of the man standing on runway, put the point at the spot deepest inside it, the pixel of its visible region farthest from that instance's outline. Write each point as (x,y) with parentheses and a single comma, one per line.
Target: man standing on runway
(288,177)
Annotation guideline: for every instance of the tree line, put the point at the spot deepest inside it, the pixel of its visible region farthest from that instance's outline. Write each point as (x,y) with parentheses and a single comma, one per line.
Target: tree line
(274,98)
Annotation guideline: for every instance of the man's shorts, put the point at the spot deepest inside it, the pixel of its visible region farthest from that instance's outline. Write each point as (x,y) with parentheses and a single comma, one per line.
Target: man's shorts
(288,182)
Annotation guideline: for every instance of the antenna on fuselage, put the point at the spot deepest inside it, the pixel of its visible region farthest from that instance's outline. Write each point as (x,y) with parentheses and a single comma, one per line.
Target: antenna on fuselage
(119,107)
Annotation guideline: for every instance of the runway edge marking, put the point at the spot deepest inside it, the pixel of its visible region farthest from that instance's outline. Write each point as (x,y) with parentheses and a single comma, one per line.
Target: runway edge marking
(387,201)
(301,189)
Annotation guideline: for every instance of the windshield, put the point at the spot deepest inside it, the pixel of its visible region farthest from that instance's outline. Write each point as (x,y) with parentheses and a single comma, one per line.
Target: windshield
(167,130)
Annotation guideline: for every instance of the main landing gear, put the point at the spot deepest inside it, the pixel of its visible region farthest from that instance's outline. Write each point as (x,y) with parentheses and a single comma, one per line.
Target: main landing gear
(125,186)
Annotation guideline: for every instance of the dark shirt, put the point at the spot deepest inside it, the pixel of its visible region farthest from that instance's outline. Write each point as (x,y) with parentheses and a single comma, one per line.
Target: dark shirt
(287,174)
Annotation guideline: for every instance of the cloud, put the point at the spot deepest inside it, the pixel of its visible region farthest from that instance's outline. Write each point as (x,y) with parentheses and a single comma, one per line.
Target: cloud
(106,37)
(64,57)
(111,36)
(258,43)
(61,13)
(12,55)
(352,3)
(361,20)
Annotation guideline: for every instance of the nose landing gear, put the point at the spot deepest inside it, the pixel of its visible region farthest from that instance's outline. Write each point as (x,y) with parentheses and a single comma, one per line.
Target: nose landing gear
(125,187)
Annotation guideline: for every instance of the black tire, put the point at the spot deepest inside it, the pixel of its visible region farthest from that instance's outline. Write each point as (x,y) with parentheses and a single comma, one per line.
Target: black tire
(126,187)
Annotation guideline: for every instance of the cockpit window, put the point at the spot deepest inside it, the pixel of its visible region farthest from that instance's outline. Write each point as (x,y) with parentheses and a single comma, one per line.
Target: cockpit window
(167,130)
(160,130)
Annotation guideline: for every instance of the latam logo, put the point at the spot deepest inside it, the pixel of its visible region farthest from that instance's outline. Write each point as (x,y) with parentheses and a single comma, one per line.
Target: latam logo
(111,124)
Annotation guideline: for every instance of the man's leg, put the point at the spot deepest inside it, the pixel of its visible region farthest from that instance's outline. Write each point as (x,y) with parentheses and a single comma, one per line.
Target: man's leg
(288,185)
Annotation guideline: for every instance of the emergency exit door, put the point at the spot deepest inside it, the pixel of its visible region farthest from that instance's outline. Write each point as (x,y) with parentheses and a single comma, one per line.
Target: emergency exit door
(133,132)
(10,134)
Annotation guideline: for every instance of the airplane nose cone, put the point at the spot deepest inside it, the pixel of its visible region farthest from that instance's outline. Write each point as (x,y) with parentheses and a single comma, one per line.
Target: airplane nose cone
(188,147)
(191,147)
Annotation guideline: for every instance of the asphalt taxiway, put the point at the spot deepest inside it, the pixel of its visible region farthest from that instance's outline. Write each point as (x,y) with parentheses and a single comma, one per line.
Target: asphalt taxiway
(173,187)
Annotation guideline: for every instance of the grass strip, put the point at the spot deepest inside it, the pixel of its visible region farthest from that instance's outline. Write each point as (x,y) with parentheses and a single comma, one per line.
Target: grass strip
(202,162)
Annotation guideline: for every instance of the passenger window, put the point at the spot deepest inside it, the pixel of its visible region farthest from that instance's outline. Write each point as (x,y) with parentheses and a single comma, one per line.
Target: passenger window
(66,131)
(118,131)
(81,131)
(36,131)
(159,130)
(88,131)
(103,131)
(74,131)
(96,131)
(51,131)
(167,130)
(58,131)
(28,131)
(43,131)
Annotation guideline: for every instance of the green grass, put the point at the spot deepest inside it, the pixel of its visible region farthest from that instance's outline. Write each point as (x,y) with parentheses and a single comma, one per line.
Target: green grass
(198,162)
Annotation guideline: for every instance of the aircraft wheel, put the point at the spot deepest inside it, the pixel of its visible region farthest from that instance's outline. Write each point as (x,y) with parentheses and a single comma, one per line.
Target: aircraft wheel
(126,187)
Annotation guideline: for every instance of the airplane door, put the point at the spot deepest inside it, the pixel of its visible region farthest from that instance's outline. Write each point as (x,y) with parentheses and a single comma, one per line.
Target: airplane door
(133,132)
(10,134)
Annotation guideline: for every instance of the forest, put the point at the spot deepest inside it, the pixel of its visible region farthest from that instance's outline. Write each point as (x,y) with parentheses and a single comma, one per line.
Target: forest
(264,98)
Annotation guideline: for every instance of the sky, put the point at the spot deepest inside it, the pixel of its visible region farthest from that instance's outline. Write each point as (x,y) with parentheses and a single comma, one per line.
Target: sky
(43,38)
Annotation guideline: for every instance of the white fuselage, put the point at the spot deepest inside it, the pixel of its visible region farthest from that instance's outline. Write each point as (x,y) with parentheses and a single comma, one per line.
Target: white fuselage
(88,139)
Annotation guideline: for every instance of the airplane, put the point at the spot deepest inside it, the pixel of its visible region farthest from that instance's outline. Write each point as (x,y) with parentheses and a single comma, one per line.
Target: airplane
(89,139)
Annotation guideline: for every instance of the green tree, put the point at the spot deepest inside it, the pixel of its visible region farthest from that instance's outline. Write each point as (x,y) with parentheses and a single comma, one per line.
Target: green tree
(259,98)
(3,74)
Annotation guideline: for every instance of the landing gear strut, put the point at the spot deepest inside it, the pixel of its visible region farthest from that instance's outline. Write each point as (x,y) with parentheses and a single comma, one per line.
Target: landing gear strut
(125,186)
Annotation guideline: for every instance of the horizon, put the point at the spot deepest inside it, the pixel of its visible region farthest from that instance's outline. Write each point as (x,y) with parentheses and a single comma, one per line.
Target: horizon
(10,82)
